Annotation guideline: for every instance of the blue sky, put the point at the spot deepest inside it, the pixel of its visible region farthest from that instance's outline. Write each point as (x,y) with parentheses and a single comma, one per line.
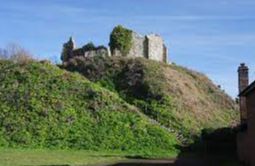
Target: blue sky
(211,36)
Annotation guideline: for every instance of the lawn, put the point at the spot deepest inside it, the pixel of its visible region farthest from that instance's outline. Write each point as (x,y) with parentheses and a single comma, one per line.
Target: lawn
(13,157)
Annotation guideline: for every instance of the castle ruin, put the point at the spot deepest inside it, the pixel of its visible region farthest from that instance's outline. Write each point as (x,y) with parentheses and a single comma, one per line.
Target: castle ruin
(149,46)
(89,50)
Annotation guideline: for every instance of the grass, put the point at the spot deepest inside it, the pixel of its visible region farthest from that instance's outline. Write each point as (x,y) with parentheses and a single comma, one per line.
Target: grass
(49,157)
(15,157)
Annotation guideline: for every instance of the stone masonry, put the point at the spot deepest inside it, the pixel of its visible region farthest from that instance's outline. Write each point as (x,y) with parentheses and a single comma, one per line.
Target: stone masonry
(137,49)
(149,46)
(155,47)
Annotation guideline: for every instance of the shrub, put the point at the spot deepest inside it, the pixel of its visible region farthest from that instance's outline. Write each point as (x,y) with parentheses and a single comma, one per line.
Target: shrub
(89,47)
(121,39)
(160,92)
(101,47)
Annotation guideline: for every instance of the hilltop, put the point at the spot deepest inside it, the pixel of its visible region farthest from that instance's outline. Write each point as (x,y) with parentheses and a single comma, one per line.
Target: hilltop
(181,100)
(132,105)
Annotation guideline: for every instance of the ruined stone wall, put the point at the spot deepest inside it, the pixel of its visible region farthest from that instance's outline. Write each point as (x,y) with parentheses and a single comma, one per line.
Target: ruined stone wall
(165,53)
(116,52)
(155,48)
(91,53)
(149,46)
(137,49)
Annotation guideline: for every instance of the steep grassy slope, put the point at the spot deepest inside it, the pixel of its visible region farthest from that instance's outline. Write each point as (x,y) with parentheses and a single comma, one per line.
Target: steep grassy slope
(42,106)
(181,100)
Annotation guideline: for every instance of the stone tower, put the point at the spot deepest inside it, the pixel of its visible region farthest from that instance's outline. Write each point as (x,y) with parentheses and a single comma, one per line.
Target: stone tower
(155,47)
(150,46)
(243,82)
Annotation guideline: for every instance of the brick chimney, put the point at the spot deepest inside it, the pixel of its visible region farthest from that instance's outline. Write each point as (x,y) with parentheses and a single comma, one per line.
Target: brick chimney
(243,82)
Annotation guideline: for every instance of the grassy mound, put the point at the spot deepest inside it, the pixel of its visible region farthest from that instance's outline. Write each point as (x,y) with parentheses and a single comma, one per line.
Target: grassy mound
(42,106)
(181,100)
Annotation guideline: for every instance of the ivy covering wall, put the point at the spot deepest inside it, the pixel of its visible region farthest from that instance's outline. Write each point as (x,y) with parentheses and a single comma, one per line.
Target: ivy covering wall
(121,39)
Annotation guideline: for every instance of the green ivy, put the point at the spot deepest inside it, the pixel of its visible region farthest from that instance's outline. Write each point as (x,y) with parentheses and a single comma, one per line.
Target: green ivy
(89,46)
(121,39)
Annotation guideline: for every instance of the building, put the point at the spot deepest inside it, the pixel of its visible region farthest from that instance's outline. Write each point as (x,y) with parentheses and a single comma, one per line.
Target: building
(149,46)
(89,50)
(246,135)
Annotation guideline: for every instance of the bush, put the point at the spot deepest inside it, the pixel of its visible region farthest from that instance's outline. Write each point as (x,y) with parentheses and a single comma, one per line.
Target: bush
(101,47)
(149,86)
(121,39)
(89,47)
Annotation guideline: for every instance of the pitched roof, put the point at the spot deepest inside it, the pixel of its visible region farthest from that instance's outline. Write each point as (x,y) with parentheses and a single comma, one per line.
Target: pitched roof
(248,89)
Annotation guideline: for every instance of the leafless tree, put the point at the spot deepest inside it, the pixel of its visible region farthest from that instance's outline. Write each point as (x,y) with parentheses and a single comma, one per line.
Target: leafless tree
(15,53)
(3,54)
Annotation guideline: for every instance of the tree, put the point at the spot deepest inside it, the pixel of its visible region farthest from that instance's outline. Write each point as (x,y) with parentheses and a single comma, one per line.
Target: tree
(89,47)
(67,50)
(15,53)
(3,54)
